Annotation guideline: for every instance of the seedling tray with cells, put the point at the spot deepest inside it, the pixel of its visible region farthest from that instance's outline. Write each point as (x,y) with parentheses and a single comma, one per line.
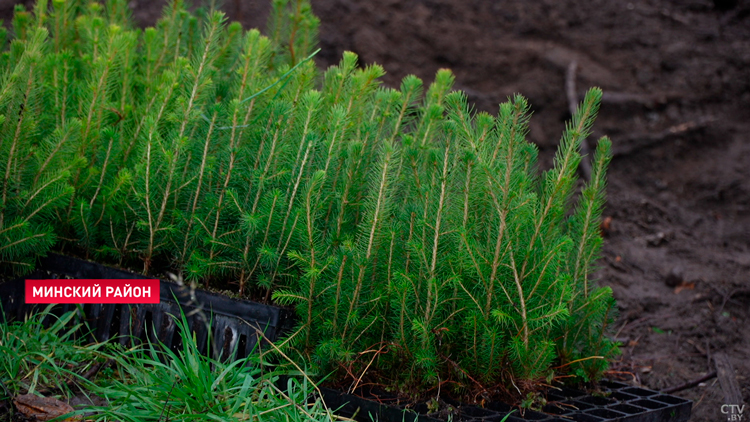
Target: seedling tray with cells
(615,401)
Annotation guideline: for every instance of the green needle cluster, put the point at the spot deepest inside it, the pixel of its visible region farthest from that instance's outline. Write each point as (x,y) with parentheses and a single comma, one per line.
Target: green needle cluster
(413,235)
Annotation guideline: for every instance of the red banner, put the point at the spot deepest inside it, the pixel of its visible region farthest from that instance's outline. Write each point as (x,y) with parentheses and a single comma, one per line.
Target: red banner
(92,291)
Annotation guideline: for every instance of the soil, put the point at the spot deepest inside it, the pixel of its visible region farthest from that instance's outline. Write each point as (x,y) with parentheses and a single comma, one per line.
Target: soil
(677,108)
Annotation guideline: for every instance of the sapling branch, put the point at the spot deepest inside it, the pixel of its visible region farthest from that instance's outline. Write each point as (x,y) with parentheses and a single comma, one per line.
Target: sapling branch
(199,184)
(14,146)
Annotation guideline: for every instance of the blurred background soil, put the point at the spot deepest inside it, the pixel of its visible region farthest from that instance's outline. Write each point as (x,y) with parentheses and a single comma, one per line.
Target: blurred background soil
(676,77)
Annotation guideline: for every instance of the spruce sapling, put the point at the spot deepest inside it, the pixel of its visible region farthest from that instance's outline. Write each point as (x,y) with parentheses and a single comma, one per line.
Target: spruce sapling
(414,236)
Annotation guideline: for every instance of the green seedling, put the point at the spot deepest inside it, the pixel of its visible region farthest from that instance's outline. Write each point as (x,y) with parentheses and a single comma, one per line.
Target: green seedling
(417,239)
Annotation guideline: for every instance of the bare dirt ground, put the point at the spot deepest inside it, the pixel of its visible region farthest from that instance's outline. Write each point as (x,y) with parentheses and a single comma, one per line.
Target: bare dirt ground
(676,74)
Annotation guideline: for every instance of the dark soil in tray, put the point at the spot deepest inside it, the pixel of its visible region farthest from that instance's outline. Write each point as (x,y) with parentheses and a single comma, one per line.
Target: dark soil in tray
(677,251)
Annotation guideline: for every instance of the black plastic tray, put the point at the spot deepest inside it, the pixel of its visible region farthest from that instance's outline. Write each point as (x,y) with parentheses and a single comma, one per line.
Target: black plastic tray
(618,403)
(234,323)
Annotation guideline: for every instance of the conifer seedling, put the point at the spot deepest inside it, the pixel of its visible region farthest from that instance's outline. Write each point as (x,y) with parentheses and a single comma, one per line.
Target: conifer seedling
(416,238)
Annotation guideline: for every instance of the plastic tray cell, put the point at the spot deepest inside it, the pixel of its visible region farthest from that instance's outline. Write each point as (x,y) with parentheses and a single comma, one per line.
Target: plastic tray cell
(620,403)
